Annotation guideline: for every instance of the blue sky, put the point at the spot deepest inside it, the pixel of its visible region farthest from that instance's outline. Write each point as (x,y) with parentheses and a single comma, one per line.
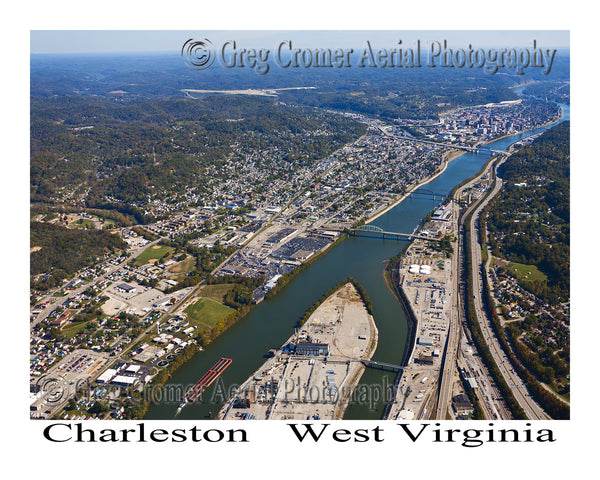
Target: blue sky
(113,41)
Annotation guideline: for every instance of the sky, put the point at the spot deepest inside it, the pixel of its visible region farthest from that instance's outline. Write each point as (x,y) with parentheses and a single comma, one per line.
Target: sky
(113,41)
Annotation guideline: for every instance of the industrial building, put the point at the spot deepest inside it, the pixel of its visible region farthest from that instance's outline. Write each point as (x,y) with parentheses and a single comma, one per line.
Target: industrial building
(281,235)
(125,375)
(462,404)
(123,287)
(310,349)
(424,360)
(443,213)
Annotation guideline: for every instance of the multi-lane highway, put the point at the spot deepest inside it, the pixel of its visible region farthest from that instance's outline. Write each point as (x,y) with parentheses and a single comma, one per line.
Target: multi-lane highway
(517,386)
(449,365)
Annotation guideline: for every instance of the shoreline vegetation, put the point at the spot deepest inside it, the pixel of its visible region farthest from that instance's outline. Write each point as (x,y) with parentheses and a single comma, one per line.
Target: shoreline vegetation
(344,402)
(233,318)
(393,262)
(370,351)
(448,157)
(359,288)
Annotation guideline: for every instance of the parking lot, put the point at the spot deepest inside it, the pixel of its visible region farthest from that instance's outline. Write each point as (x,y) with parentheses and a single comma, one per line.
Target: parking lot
(66,377)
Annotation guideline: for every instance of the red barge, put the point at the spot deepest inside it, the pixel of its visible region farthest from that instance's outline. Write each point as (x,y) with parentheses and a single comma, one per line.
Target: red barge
(205,381)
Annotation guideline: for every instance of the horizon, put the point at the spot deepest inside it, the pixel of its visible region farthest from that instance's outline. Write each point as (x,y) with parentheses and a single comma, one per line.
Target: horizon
(87,42)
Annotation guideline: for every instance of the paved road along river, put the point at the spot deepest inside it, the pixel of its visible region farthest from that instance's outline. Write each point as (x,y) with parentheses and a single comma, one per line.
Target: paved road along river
(272,322)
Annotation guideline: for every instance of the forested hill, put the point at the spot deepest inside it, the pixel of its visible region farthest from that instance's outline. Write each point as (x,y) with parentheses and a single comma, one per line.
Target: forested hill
(530,221)
(60,252)
(418,93)
(102,152)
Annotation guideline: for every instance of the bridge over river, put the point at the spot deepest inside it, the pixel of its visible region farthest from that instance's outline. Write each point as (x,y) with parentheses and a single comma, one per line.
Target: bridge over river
(374,229)
(467,148)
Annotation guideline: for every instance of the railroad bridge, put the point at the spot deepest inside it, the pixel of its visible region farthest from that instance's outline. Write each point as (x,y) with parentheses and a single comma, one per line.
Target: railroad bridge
(382,365)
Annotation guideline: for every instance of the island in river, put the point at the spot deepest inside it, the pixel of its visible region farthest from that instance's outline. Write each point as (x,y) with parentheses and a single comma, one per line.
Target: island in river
(314,373)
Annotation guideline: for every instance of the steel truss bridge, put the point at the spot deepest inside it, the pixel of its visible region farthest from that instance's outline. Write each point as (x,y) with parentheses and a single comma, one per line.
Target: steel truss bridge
(380,231)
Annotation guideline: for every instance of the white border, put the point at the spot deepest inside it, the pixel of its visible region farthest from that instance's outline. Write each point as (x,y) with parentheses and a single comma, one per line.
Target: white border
(273,453)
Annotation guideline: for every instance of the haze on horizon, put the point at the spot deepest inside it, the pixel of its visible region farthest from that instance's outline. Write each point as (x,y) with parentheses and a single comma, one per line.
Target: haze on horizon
(156,41)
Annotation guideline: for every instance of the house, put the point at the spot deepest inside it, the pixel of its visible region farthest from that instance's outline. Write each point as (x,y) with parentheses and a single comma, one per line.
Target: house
(61,321)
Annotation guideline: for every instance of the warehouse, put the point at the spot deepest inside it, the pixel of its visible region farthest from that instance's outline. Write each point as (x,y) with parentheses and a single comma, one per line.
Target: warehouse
(281,235)
(308,348)
(123,381)
(107,376)
(123,287)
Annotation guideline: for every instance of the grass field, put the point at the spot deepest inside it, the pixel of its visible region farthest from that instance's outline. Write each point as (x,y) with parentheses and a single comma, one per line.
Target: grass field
(82,223)
(216,292)
(526,272)
(182,268)
(75,328)
(152,253)
(206,312)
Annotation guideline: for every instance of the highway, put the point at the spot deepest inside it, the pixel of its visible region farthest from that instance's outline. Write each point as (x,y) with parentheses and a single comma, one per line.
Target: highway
(517,386)
(458,350)
(491,401)
(449,362)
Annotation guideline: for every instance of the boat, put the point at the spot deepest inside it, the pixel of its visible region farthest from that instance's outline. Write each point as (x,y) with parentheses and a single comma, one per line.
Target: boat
(205,381)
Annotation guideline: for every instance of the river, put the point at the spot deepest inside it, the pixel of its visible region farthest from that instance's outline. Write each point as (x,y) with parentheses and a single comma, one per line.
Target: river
(270,323)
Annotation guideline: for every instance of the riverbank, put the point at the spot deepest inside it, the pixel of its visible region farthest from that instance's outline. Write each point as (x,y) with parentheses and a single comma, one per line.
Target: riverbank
(543,125)
(269,323)
(448,157)
(424,282)
(317,369)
